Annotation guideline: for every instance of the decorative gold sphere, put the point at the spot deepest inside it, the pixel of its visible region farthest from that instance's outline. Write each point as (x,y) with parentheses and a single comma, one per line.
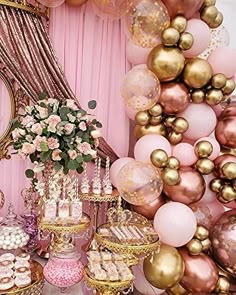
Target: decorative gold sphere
(156,110)
(209,14)
(217,21)
(175,138)
(169,121)
(159,158)
(214,97)
(180,125)
(156,120)
(205,166)
(177,290)
(202,233)
(216,185)
(229,87)
(229,170)
(194,247)
(218,81)
(203,149)
(179,23)
(223,285)
(186,41)
(228,193)
(170,176)
(140,131)
(210,2)
(206,245)
(173,163)
(170,36)
(142,118)
(198,96)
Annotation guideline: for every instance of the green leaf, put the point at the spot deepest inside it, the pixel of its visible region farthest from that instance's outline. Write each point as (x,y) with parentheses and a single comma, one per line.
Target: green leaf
(29,173)
(92,104)
(63,155)
(87,158)
(57,166)
(43,146)
(33,157)
(82,112)
(73,165)
(99,125)
(80,169)
(42,96)
(94,121)
(65,170)
(43,105)
(64,111)
(45,156)
(16,124)
(79,159)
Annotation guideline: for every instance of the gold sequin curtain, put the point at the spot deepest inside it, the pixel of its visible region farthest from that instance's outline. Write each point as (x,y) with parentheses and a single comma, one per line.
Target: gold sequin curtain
(27,53)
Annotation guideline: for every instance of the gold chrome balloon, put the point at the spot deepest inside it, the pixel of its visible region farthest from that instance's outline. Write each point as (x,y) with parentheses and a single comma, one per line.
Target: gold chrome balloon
(159,158)
(140,131)
(205,166)
(216,185)
(229,170)
(202,233)
(156,110)
(179,23)
(173,163)
(177,290)
(142,118)
(194,247)
(203,149)
(209,2)
(170,176)
(198,96)
(209,14)
(214,97)
(218,81)
(229,87)
(167,63)
(169,121)
(170,36)
(197,73)
(175,138)
(156,120)
(206,245)
(228,193)
(165,268)
(217,21)
(223,285)
(186,41)
(180,125)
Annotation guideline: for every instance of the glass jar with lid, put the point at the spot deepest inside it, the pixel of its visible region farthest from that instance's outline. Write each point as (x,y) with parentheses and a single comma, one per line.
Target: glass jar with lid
(64,268)
(12,236)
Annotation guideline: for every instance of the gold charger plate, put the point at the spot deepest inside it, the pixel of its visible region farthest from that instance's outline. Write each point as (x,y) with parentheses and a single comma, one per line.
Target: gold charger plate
(36,285)
(100,198)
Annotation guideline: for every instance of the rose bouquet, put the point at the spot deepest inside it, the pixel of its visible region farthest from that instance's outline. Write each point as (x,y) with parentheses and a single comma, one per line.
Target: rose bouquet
(56,131)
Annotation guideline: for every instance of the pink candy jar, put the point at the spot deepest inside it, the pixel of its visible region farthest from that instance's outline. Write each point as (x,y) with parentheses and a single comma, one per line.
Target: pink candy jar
(64,268)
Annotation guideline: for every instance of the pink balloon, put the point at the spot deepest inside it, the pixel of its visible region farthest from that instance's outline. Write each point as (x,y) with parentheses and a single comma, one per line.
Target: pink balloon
(130,113)
(115,168)
(231,205)
(201,119)
(147,144)
(141,284)
(209,196)
(226,65)
(135,54)
(175,223)
(52,3)
(184,152)
(217,109)
(202,36)
(215,144)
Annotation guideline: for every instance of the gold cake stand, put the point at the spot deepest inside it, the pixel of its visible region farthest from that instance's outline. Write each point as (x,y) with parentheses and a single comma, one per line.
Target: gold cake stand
(107,287)
(36,286)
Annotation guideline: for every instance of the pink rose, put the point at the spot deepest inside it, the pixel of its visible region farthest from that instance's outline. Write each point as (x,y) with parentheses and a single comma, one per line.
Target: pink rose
(38,140)
(82,126)
(17,133)
(28,121)
(93,153)
(37,129)
(73,154)
(70,103)
(85,148)
(56,155)
(28,148)
(96,133)
(53,120)
(69,128)
(53,143)
(43,112)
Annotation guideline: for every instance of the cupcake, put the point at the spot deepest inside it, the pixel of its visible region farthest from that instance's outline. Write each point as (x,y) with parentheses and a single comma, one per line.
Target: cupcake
(7,263)
(22,263)
(6,283)
(7,256)
(22,281)
(23,256)
(22,271)
(6,272)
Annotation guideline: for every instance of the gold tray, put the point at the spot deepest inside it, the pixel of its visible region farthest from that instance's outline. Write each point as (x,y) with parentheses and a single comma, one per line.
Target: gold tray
(35,288)
(62,228)
(100,198)
(106,287)
(126,248)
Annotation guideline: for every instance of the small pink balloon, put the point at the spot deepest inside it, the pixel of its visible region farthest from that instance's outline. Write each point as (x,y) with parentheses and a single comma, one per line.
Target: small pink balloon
(52,3)
(130,113)
(202,36)
(116,167)
(201,119)
(137,55)
(215,145)
(147,144)
(184,152)
(209,196)
(175,223)
(226,65)
(217,109)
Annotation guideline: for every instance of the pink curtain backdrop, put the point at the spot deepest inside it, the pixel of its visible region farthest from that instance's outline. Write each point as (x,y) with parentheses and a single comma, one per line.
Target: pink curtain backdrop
(5,108)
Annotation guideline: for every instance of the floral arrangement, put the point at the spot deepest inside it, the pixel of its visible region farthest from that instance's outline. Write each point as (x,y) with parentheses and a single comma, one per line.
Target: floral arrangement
(57,131)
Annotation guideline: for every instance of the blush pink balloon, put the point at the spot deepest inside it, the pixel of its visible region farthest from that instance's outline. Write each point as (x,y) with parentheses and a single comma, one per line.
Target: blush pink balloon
(209,196)
(184,152)
(202,37)
(175,223)
(201,119)
(130,113)
(215,144)
(147,144)
(52,3)
(137,55)
(217,109)
(226,65)
(116,167)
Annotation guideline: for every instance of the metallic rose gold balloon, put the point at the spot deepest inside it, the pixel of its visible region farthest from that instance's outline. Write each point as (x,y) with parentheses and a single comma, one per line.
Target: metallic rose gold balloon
(183,7)
(225,132)
(223,238)
(174,97)
(220,161)
(201,273)
(189,190)
(229,111)
(149,210)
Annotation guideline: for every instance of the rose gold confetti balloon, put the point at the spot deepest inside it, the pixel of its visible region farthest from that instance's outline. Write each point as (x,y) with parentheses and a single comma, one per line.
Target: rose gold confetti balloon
(111,9)
(223,238)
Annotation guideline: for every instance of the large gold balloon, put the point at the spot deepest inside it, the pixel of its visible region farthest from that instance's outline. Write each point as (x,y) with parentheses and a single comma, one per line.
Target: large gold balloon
(197,73)
(167,63)
(164,269)
(140,131)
